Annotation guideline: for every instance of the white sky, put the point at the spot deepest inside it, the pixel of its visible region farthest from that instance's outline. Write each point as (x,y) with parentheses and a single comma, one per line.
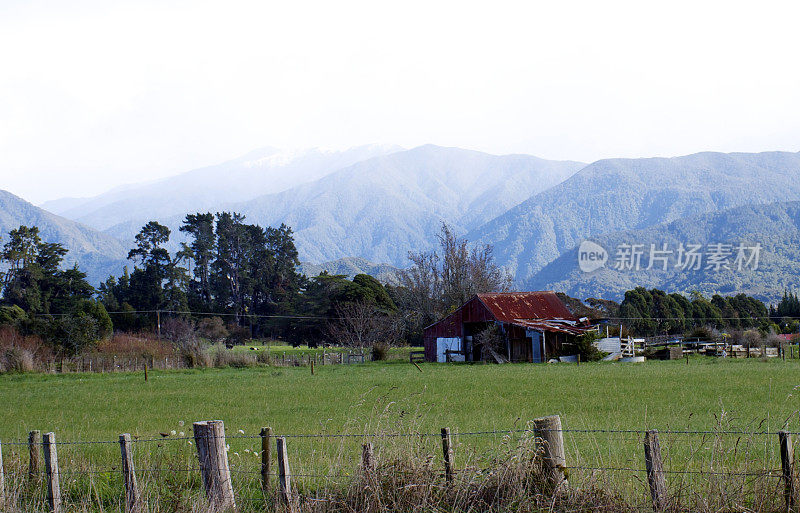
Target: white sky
(99,93)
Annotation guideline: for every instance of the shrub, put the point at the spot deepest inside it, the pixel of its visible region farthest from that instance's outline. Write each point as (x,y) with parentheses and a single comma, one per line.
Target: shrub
(264,357)
(22,353)
(11,315)
(703,333)
(223,357)
(213,329)
(144,345)
(237,335)
(16,359)
(196,357)
(584,346)
(380,351)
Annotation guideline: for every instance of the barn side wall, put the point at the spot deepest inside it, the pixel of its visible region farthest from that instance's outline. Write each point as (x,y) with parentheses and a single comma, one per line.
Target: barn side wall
(452,325)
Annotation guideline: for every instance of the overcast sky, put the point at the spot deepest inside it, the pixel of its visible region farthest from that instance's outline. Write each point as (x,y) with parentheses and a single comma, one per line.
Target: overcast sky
(96,93)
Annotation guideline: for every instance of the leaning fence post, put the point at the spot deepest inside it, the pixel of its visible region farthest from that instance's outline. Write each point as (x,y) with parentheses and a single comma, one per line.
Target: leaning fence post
(212,453)
(129,474)
(51,466)
(34,450)
(266,435)
(548,430)
(284,474)
(787,471)
(655,470)
(447,451)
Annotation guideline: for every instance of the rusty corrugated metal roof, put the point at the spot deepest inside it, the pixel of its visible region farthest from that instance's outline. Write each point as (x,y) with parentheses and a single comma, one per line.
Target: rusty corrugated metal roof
(557,325)
(516,306)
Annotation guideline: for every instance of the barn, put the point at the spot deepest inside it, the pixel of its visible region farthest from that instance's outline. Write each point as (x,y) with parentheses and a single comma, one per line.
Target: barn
(534,327)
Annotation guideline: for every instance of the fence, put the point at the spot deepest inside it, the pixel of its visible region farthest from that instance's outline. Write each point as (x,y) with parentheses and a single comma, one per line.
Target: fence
(543,464)
(106,363)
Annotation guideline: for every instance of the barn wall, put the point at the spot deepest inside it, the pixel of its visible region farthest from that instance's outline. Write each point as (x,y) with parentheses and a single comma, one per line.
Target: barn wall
(452,325)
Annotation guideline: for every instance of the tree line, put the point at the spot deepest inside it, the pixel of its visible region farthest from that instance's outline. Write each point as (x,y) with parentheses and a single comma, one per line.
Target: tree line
(241,273)
(655,312)
(248,278)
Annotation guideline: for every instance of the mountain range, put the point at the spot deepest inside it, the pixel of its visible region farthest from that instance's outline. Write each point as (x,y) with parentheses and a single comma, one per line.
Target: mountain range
(352,208)
(624,194)
(774,228)
(379,208)
(97,254)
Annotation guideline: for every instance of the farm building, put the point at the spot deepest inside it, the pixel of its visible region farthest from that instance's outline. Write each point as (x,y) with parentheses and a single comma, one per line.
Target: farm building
(533,327)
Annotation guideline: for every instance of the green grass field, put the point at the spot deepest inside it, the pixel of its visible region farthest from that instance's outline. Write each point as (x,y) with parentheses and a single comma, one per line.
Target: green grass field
(664,395)
(706,395)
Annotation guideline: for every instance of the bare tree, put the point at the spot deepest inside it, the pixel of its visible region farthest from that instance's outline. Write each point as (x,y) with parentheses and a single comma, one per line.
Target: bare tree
(440,284)
(362,325)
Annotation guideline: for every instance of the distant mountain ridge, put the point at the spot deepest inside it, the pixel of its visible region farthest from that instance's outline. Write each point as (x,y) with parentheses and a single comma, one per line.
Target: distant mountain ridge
(259,172)
(622,194)
(775,227)
(383,207)
(99,255)
(387,201)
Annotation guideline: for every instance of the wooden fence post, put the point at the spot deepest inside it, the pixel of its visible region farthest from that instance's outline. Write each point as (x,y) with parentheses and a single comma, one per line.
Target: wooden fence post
(34,450)
(368,460)
(788,472)
(2,480)
(284,474)
(129,474)
(266,435)
(447,451)
(548,430)
(212,453)
(655,470)
(51,466)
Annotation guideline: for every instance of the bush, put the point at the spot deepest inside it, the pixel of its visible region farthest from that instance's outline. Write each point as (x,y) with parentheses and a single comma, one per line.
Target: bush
(213,329)
(264,357)
(16,359)
(22,353)
(144,345)
(223,357)
(237,335)
(584,346)
(11,315)
(196,357)
(703,333)
(380,351)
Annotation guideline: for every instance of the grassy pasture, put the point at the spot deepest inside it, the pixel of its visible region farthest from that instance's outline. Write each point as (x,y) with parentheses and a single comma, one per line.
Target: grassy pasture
(706,395)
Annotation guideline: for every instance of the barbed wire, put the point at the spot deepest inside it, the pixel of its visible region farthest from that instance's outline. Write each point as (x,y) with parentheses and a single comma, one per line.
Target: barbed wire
(168,438)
